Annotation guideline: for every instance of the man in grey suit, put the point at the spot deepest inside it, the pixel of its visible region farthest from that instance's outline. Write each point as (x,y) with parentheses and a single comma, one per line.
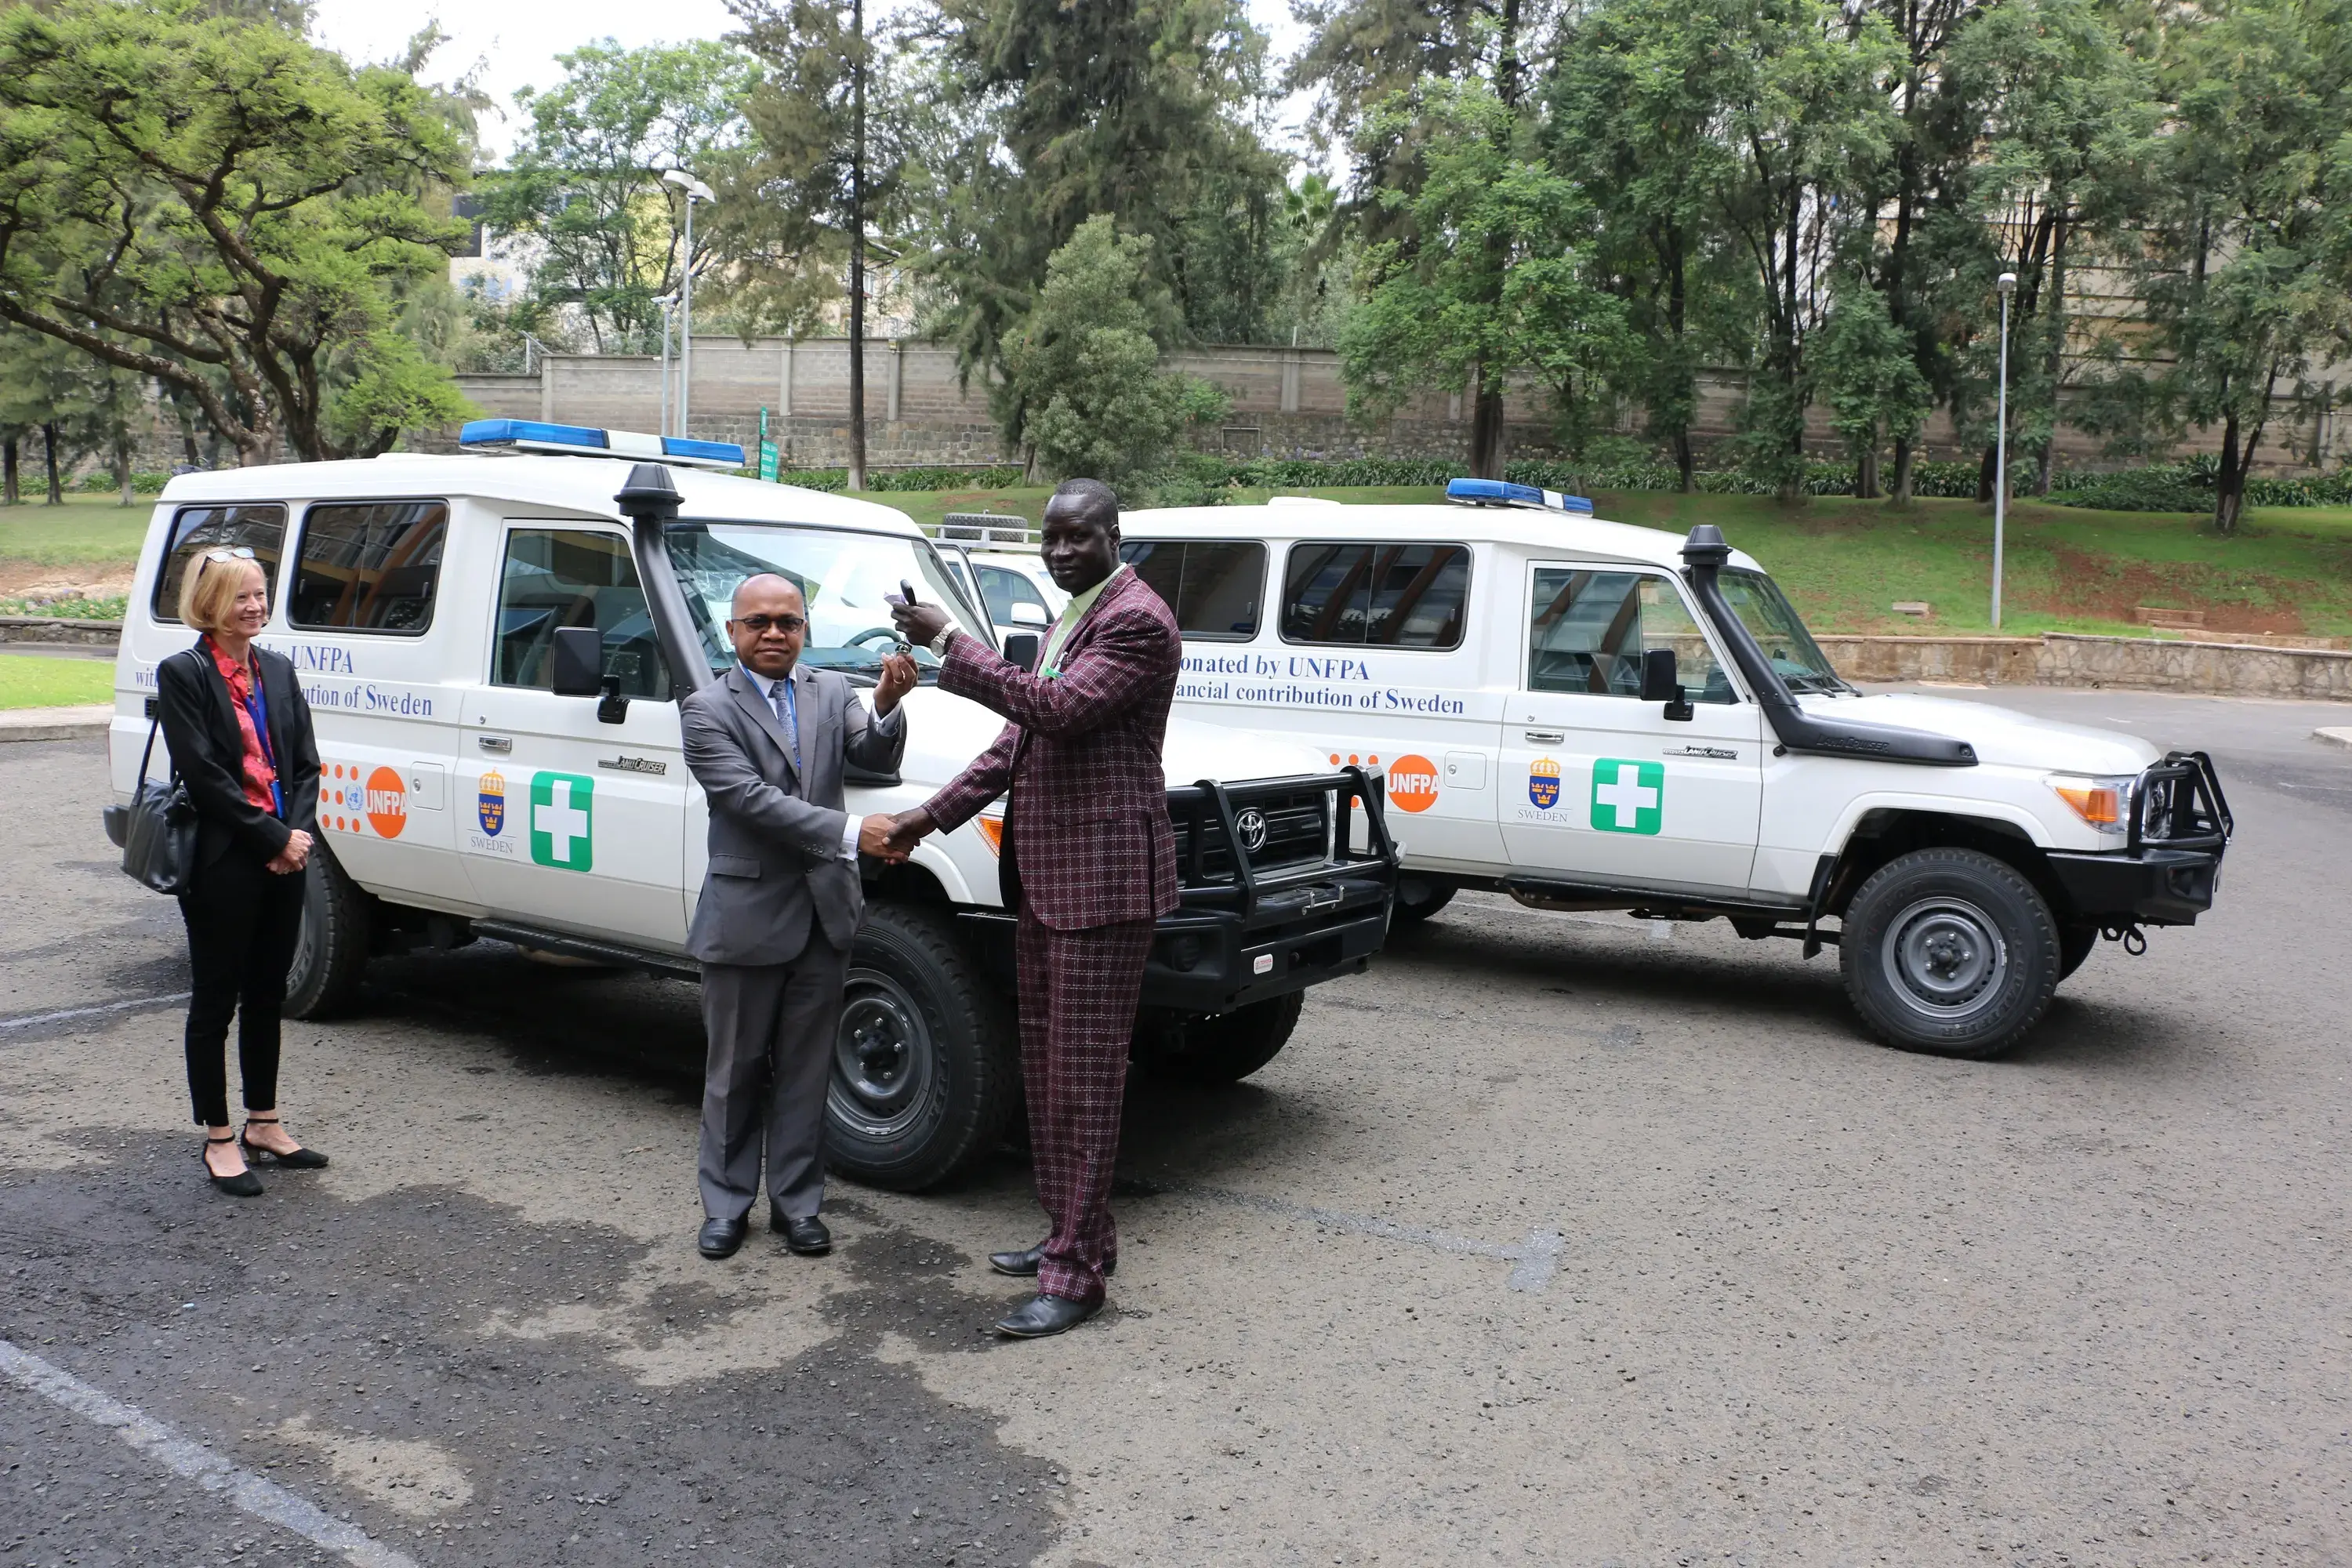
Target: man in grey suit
(779,905)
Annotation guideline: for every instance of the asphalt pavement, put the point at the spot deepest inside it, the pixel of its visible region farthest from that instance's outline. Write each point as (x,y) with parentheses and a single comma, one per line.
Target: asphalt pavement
(1555,1240)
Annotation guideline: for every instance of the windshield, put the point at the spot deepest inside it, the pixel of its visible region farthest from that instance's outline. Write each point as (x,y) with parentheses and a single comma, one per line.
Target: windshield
(843,576)
(1769,618)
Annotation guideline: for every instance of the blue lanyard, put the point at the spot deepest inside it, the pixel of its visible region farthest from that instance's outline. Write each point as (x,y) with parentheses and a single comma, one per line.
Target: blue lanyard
(256,708)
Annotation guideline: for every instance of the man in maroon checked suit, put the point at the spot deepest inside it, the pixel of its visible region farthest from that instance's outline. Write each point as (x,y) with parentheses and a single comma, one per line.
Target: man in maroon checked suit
(1089,858)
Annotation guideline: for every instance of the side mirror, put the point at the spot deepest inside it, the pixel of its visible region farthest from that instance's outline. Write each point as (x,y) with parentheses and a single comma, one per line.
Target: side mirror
(1028,614)
(577,663)
(1022,648)
(1658,683)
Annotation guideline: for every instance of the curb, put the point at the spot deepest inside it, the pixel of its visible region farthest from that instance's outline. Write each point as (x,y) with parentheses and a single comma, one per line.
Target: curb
(2333,735)
(55,723)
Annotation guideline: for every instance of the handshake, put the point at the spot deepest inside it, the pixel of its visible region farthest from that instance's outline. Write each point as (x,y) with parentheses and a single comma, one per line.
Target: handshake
(893,838)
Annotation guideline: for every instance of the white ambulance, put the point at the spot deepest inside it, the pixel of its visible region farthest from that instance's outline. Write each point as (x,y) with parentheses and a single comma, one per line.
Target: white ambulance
(494,646)
(1588,716)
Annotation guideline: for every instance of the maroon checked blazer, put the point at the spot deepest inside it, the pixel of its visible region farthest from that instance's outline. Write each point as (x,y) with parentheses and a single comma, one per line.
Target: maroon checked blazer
(1086,829)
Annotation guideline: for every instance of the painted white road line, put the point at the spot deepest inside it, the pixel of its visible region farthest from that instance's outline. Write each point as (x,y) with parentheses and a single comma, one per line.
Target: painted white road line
(1534,1261)
(36,1020)
(256,1495)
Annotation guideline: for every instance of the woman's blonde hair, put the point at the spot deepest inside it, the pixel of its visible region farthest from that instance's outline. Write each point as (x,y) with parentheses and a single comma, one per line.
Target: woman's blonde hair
(208,592)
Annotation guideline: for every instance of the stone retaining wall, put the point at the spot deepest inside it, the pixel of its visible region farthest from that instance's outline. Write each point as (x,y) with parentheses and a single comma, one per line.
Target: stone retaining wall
(59,629)
(2066,658)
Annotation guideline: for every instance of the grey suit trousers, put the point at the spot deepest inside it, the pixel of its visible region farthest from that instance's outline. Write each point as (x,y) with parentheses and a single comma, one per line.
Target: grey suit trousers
(771,1031)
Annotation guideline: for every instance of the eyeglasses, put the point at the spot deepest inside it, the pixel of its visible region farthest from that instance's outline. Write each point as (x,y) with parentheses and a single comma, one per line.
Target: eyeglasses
(227,554)
(756,625)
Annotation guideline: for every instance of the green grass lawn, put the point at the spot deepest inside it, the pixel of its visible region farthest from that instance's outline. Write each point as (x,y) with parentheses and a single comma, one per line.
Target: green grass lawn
(88,530)
(1844,562)
(29,681)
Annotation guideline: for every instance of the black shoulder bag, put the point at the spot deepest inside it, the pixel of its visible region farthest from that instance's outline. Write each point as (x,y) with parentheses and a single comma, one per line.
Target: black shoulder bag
(157,831)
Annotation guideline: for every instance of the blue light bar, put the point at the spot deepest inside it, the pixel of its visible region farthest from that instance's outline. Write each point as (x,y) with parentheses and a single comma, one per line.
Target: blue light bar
(581,441)
(1501,492)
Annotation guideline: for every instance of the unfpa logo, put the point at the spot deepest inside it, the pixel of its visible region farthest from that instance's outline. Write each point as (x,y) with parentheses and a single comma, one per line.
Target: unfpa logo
(1543,783)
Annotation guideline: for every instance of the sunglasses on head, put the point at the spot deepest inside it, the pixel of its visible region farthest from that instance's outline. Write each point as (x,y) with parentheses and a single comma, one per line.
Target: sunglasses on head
(756,624)
(229,553)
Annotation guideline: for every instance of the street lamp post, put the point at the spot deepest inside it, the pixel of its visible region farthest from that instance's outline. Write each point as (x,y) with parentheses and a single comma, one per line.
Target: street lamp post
(696,191)
(667,303)
(2008,286)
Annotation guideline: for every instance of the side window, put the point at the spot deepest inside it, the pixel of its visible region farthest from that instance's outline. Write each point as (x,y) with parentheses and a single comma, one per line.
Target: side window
(1377,596)
(196,528)
(555,577)
(372,567)
(1002,588)
(1588,630)
(1214,587)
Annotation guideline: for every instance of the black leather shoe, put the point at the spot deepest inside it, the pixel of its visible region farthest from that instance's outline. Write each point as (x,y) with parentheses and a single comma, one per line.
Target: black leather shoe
(1042,1317)
(806,1237)
(243,1185)
(721,1238)
(1024,1264)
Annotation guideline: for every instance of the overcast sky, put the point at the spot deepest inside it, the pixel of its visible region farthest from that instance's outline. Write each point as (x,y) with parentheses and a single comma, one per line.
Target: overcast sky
(518,39)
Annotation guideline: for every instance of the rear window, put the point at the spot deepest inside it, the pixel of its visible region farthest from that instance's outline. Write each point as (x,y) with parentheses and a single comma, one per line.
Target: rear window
(370,567)
(196,528)
(1377,596)
(1214,586)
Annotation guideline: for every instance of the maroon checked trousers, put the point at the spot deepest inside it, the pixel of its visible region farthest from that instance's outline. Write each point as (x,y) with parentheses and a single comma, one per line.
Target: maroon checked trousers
(1078,991)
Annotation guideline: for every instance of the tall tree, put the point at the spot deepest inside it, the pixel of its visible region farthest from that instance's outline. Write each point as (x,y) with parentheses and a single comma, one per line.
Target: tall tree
(2069,120)
(584,185)
(220,206)
(823,176)
(1494,281)
(1132,109)
(1802,111)
(1375,66)
(2245,289)
(1635,103)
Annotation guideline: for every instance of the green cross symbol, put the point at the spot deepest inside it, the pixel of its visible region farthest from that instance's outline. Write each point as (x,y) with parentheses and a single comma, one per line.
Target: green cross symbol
(1628,797)
(563,821)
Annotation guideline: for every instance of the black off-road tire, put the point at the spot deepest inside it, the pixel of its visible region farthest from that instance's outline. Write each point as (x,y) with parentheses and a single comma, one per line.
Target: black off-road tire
(926,1068)
(1417,899)
(1950,952)
(331,955)
(2076,942)
(1225,1047)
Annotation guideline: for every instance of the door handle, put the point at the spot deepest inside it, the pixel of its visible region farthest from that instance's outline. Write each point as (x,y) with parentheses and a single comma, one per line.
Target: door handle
(1546,737)
(494,743)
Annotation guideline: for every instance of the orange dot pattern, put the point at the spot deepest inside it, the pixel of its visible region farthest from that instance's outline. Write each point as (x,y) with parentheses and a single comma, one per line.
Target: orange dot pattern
(1371,761)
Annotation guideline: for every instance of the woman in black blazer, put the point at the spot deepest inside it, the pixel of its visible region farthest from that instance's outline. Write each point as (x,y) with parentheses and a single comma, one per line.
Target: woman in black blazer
(239,734)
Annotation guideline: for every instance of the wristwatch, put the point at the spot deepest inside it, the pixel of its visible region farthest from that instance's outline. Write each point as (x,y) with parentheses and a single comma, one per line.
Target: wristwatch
(939,645)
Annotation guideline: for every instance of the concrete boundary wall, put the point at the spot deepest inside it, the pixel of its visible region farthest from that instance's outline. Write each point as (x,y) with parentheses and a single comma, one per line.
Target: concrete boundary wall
(2066,658)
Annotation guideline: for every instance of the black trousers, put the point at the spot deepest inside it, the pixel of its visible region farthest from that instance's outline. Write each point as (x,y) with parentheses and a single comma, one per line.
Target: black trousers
(243,922)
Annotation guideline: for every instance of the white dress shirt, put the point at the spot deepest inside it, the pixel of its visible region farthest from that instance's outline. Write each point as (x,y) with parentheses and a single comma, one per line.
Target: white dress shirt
(884,721)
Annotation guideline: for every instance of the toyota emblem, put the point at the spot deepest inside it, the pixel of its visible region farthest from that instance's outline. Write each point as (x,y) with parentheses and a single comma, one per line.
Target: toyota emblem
(1250,824)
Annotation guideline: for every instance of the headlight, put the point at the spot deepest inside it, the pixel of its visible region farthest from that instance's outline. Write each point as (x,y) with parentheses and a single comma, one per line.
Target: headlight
(2104,803)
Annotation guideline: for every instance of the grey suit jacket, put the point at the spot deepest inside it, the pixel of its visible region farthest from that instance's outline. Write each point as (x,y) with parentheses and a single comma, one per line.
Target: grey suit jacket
(775,835)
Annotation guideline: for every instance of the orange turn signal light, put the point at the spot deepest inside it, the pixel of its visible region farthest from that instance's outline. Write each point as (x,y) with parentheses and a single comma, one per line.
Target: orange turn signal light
(2101,805)
(992,830)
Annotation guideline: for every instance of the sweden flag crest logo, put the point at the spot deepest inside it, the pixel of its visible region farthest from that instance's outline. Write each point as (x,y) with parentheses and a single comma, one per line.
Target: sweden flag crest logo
(491,805)
(1543,783)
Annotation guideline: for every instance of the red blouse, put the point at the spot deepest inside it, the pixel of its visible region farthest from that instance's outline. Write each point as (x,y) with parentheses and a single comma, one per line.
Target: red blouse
(258,775)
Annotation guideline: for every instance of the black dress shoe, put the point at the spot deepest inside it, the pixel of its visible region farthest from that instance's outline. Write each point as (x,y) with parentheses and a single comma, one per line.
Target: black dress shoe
(721,1238)
(1024,1264)
(243,1185)
(806,1237)
(1043,1316)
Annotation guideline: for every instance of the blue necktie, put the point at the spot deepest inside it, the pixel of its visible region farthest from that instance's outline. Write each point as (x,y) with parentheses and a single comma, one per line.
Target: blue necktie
(787,714)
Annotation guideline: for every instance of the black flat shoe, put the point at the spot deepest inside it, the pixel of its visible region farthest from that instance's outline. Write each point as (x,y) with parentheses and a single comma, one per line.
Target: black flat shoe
(721,1238)
(243,1185)
(1042,1317)
(301,1159)
(1024,1265)
(807,1238)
